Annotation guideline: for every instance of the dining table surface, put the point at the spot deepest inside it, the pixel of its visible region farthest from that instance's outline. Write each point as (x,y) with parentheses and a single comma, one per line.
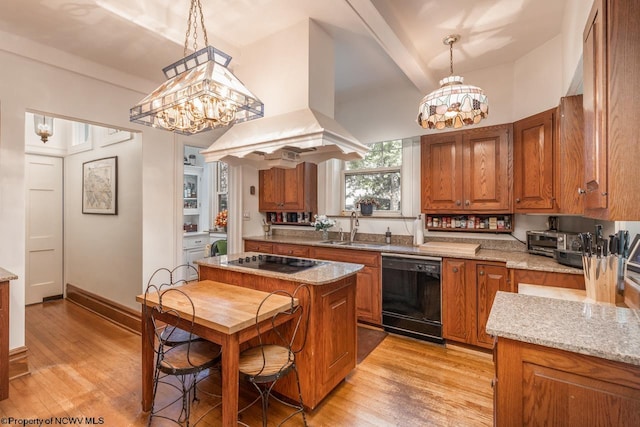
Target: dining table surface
(224,314)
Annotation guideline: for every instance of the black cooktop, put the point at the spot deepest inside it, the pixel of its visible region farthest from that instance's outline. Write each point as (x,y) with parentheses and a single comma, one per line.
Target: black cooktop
(275,263)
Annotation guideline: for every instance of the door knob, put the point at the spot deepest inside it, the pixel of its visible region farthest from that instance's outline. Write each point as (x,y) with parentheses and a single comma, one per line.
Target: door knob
(455,269)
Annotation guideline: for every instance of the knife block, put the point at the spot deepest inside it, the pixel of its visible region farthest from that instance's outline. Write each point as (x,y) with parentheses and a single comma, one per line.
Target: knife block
(601,278)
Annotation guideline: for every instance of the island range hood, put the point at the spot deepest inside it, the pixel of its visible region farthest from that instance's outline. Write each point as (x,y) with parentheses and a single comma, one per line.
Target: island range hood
(295,80)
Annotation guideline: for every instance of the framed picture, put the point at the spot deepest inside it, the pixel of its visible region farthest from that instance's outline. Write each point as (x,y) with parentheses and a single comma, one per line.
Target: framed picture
(108,136)
(100,186)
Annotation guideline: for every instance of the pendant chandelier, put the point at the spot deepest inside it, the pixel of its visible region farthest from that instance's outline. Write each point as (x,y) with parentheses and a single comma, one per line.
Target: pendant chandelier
(201,93)
(454,104)
(43,126)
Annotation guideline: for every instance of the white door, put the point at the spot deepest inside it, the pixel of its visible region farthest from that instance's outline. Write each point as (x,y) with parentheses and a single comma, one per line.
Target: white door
(44,228)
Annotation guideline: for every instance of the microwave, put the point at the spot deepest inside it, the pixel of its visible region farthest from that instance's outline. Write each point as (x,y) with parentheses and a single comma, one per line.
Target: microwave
(546,242)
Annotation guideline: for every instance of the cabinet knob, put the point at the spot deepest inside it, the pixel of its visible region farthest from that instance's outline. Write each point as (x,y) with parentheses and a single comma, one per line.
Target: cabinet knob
(467,203)
(518,200)
(455,269)
(582,191)
(481,272)
(458,202)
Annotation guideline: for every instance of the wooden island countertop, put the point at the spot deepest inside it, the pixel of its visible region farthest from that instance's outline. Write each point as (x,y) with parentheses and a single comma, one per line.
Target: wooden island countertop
(331,347)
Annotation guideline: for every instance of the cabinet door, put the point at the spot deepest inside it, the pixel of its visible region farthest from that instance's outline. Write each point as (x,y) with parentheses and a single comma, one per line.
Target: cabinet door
(595,104)
(533,165)
(487,165)
(293,188)
(338,349)
(368,299)
(570,151)
(458,306)
(270,187)
(441,170)
(490,279)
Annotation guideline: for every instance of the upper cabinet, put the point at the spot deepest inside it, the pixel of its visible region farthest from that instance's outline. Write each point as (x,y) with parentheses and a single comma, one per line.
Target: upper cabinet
(289,190)
(533,166)
(569,155)
(467,171)
(611,59)
(548,160)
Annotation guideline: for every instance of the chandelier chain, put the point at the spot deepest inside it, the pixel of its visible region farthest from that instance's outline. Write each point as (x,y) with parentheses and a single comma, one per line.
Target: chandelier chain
(194,10)
(451,57)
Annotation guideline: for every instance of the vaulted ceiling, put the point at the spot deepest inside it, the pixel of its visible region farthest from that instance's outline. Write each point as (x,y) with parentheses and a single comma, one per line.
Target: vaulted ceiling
(376,41)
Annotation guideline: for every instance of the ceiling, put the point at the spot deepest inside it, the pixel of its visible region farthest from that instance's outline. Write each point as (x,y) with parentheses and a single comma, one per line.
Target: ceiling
(377,41)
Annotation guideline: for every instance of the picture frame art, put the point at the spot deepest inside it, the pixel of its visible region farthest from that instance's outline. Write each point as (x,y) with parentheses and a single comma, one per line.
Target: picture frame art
(100,186)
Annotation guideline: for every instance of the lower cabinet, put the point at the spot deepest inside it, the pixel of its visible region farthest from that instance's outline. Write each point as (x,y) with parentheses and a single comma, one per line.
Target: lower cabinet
(193,250)
(468,290)
(537,385)
(256,246)
(369,285)
(369,279)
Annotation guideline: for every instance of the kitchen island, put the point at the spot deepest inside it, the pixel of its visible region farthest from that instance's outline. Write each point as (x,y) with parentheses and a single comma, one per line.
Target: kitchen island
(564,362)
(331,347)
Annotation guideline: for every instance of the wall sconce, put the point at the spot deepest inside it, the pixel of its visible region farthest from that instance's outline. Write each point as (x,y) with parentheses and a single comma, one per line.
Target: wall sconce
(43,126)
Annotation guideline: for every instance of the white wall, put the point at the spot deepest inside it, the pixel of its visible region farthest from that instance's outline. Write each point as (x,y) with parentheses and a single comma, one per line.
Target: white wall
(538,80)
(574,20)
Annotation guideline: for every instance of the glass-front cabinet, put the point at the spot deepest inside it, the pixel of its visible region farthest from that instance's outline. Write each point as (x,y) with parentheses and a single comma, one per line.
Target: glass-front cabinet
(192,199)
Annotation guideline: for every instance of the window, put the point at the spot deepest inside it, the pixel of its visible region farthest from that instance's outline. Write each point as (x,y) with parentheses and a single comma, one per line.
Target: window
(377,176)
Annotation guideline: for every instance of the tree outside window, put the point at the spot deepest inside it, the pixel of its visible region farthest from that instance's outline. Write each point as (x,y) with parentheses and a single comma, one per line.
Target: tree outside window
(377,175)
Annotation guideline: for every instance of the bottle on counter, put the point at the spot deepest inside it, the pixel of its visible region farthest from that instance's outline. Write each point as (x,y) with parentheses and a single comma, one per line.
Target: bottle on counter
(418,233)
(387,236)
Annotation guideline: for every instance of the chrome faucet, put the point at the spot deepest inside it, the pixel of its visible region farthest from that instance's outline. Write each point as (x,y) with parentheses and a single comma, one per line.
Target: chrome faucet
(353,225)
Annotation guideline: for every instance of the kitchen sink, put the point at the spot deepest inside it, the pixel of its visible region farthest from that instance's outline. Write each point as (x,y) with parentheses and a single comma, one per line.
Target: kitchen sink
(354,244)
(334,242)
(365,244)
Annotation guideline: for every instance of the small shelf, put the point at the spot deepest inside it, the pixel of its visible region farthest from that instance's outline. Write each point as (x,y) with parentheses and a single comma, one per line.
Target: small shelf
(305,224)
(471,223)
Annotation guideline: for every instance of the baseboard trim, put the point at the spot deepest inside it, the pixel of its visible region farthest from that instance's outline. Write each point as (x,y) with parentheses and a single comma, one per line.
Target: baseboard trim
(18,362)
(125,317)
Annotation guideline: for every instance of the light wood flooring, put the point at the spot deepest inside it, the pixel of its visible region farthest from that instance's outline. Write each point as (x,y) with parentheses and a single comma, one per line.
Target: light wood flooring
(84,366)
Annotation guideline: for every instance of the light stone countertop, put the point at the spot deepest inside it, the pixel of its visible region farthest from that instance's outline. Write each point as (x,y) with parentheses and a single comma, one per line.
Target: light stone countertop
(513,259)
(325,272)
(599,330)
(6,275)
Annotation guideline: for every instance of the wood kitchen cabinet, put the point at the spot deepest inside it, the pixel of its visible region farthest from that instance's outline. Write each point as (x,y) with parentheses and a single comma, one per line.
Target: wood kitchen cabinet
(468,290)
(467,171)
(533,165)
(257,246)
(611,58)
(538,385)
(569,155)
(548,158)
(289,190)
(369,279)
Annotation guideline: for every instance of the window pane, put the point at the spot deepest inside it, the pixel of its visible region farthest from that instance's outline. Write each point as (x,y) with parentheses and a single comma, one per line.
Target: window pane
(381,155)
(383,186)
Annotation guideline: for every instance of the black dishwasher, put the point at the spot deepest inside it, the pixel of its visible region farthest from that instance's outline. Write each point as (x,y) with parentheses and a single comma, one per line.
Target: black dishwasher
(411,296)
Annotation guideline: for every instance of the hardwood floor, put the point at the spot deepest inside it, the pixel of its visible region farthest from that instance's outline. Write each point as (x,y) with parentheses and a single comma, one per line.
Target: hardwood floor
(84,366)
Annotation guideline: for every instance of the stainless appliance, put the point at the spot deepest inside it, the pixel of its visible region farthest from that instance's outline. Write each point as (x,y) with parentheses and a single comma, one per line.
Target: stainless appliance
(411,296)
(546,242)
(280,264)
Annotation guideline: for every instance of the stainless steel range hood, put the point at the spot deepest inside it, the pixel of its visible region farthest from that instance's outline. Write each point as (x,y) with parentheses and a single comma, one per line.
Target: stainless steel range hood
(285,140)
(295,70)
